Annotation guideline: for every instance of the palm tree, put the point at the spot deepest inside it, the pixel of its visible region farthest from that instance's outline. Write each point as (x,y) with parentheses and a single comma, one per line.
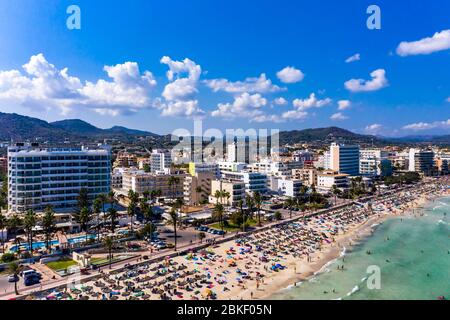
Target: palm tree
(227,195)
(335,190)
(201,236)
(218,214)
(48,224)
(96,208)
(108,242)
(113,216)
(249,201)
(290,203)
(83,198)
(258,201)
(14,223)
(148,214)
(3,225)
(241,210)
(14,269)
(29,222)
(218,196)
(111,198)
(198,190)
(132,206)
(173,182)
(83,218)
(174,221)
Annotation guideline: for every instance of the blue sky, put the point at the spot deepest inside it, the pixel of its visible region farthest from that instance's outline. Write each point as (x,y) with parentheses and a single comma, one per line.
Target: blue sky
(225,58)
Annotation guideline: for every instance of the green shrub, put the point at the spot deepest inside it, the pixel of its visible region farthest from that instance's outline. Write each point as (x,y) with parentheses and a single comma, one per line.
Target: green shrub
(8,257)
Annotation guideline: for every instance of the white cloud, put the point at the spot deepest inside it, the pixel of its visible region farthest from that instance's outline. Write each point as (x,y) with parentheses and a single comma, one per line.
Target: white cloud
(290,75)
(448,99)
(378,81)
(311,102)
(188,108)
(353,58)
(373,128)
(128,89)
(419,126)
(438,42)
(280,101)
(244,106)
(344,104)
(249,85)
(338,116)
(294,115)
(43,86)
(181,88)
(180,92)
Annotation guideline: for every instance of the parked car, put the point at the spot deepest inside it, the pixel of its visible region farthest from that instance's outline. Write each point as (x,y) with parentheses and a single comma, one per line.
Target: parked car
(13,278)
(31,280)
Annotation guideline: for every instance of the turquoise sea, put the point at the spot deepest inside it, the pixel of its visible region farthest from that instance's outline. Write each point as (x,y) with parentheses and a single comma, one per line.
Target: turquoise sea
(413,254)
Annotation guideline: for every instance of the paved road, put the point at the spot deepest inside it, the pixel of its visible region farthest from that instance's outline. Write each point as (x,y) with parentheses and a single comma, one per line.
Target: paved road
(6,286)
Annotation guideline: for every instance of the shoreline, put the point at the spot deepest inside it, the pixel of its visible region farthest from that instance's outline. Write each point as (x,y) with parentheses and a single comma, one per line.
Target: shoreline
(230,272)
(330,253)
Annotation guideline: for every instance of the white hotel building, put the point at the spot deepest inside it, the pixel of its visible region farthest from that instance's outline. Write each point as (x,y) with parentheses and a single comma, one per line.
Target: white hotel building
(38,177)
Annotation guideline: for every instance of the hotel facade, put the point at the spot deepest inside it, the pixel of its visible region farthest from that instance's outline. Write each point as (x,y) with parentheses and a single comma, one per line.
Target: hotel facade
(38,177)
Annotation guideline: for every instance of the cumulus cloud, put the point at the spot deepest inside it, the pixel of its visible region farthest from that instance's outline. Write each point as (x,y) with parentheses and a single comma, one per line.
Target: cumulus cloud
(353,58)
(377,82)
(311,102)
(290,75)
(244,105)
(419,126)
(338,116)
(180,92)
(280,101)
(250,85)
(294,115)
(438,42)
(344,104)
(373,128)
(43,86)
(188,108)
(128,89)
(181,88)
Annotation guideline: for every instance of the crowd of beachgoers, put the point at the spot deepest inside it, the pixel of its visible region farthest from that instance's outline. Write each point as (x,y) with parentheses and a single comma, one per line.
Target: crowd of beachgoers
(251,266)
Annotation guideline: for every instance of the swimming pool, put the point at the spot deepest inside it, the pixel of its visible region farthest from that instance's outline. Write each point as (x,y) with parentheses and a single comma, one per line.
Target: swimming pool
(41,244)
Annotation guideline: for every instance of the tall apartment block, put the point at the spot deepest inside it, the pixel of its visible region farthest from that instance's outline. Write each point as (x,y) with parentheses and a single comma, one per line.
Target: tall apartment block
(38,177)
(344,158)
(421,161)
(160,160)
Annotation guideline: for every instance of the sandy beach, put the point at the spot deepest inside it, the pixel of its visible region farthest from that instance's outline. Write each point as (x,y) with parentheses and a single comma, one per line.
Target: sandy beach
(256,265)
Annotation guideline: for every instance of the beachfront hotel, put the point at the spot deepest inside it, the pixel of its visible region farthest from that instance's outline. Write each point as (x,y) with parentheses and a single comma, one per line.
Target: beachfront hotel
(344,158)
(38,177)
(421,161)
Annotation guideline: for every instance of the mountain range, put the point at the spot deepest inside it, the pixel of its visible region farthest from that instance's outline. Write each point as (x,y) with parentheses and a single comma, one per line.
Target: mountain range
(16,127)
(19,128)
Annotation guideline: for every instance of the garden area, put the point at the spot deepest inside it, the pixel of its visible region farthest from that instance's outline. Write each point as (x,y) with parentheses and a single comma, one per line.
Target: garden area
(61,265)
(230,226)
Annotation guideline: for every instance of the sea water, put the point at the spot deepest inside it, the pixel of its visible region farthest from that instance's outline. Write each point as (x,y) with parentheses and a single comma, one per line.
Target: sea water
(412,253)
